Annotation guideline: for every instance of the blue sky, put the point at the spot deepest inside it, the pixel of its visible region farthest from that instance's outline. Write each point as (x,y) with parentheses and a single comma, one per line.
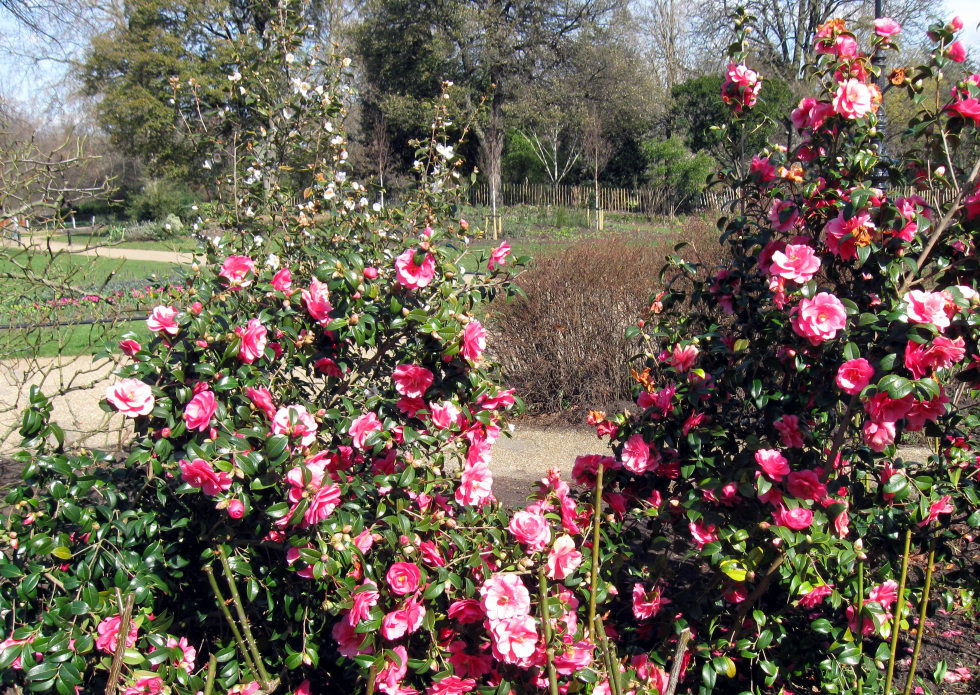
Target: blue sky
(28,82)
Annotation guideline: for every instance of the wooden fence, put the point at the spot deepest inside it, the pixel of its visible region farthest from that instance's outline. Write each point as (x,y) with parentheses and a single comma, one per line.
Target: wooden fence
(650,201)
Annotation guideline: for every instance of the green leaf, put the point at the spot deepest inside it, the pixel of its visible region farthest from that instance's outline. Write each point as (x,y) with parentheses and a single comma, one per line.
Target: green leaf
(895,386)
(896,483)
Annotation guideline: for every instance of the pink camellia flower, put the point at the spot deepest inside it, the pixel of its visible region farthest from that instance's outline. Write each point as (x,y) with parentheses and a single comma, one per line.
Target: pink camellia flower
(348,641)
(878,435)
(163,319)
(885,594)
(466,611)
(765,256)
(295,421)
(927,307)
(945,352)
(886,26)
(475,485)
(327,366)
(262,399)
(444,415)
(236,509)
(683,357)
(772,463)
(844,235)
(647,604)
(741,87)
(504,596)
(236,269)
(820,318)
(762,169)
(317,302)
(146,685)
(790,434)
(129,347)
(108,639)
(474,341)
(395,668)
(451,685)
(362,426)
(816,595)
(364,598)
(576,657)
(322,504)
(956,52)
(784,215)
(882,408)
(131,397)
(702,533)
(514,639)
(636,454)
(796,519)
(956,24)
(503,399)
(531,529)
(412,380)
(941,506)
(854,99)
(188,654)
(402,621)
(199,411)
(806,485)
(282,281)
(563,558)
(854,375)
(797,262)
(403,578)
(811,113)
(498,256)
(967,108)
(253,341)
(411,275)
(201,474)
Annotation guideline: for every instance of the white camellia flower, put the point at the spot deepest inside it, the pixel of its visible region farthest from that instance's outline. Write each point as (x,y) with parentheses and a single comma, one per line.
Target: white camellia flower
(290,58)
(235,76)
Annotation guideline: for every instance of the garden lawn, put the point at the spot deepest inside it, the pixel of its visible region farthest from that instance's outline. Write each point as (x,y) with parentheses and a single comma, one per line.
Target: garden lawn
(34,322)
(110,237)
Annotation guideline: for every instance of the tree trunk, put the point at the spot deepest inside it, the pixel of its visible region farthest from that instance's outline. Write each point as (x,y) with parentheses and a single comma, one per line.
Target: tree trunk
(492,149)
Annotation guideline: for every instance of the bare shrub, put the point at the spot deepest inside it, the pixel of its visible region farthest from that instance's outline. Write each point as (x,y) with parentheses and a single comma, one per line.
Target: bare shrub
(564,347)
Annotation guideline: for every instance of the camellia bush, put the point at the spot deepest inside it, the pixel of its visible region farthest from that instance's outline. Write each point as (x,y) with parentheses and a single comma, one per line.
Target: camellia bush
(765,468)
(307,504)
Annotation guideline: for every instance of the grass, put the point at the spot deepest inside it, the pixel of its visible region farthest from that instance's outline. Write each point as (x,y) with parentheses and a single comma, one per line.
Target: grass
(558,225)
(79,270)
(24,301)
(108,237)
(538,232)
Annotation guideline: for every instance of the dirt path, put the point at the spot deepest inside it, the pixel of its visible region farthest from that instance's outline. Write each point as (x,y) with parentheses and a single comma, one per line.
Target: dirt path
(40,243)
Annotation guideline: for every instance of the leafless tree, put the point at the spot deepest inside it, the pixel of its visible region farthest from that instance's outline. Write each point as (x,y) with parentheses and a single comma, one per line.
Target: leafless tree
(783,30)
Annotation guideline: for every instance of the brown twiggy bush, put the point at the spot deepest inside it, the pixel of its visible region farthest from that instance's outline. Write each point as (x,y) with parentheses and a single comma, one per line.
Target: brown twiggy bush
(563,346)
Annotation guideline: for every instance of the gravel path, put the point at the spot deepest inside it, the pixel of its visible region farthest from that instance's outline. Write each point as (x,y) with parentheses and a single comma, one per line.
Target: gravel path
(39,243)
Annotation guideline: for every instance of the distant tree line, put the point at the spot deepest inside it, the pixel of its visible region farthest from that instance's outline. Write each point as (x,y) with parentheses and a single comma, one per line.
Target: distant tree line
(600,92)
